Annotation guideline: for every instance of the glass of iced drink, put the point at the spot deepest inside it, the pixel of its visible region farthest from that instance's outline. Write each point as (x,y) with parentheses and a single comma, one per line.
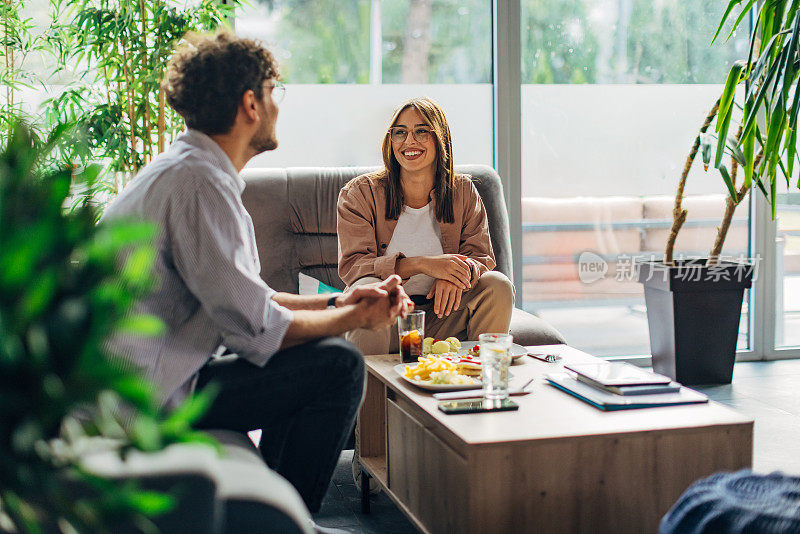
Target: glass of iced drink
(411,329)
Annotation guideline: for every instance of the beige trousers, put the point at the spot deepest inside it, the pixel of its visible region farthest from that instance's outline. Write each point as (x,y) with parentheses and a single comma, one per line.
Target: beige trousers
(484,308)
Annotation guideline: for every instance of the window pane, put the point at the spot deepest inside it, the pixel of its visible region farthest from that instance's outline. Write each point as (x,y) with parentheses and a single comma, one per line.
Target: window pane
(787,271)
(349,64)
(455,37)
(615,93)
(625,41)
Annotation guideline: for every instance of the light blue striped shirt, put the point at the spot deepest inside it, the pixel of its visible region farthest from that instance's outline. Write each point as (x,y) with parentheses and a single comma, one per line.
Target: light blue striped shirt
(210,292)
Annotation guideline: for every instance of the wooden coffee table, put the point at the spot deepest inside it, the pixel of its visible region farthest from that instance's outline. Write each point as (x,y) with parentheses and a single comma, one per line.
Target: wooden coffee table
(555,465)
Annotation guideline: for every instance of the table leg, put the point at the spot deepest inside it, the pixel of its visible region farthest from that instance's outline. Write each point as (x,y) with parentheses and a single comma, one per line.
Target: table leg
(364,491)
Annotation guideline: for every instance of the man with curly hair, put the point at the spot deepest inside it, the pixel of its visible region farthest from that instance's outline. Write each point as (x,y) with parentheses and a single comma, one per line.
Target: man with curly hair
(291,377)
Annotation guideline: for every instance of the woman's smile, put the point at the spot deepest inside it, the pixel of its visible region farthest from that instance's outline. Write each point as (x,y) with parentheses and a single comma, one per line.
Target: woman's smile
(412,153)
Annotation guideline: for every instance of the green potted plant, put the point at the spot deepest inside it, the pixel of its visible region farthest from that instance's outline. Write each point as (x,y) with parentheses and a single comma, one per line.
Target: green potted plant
(63,293)
(694,306)
(109,56)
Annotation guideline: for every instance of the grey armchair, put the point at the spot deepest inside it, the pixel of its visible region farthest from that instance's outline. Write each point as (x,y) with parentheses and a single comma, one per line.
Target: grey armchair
(227,493)
(294,215)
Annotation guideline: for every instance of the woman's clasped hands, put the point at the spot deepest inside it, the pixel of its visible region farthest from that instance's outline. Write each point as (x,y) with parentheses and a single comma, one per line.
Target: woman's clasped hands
(454,274)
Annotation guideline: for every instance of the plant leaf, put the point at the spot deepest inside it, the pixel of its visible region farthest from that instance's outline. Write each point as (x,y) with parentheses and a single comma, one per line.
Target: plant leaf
(795,101)
(729,91)
(749,149)
(736,152)
(775,130)
(146,433)
(750,120)
(786,175)
(731,4)
(760,185)
(723,132)
(151,502)
(726,177)
(141,325)
(136,391)
(745,11)
(791,151)
(189,411)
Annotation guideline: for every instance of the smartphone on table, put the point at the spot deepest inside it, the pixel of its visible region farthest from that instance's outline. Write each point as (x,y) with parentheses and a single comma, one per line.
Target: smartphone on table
(477,406)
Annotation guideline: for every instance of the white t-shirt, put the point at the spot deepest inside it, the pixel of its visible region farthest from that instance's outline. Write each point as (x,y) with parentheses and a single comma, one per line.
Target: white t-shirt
(417,234)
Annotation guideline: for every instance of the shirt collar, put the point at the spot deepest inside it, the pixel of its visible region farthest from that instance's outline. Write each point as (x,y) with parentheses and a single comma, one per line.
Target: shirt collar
(214,153)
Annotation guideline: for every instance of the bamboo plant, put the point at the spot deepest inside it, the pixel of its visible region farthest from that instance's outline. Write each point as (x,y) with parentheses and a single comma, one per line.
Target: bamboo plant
(122,47)
(765,141)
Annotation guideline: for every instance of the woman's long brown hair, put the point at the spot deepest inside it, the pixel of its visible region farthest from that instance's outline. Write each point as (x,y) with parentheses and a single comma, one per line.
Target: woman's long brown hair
(444,175)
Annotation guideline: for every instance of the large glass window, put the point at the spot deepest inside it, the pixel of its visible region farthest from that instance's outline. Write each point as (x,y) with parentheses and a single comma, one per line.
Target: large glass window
(349,64)
(614,93)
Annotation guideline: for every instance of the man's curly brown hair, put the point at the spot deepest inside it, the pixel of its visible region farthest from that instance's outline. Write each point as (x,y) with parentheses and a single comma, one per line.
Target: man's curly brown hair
(208,74)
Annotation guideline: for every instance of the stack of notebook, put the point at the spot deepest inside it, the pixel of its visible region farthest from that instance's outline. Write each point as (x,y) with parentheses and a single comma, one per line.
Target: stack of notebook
(619,386)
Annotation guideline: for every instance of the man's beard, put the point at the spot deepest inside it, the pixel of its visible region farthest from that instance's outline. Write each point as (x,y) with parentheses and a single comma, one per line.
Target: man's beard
(263,141)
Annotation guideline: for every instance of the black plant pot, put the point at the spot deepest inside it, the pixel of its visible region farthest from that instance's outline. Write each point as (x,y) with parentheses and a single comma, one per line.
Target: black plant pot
(693,312)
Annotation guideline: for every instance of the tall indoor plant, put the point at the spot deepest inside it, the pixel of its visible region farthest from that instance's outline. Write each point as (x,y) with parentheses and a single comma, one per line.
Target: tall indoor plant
(694,306)
(121,48)
(62,295)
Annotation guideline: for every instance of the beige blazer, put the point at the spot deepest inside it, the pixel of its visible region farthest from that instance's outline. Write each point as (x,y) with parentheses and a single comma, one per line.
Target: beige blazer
(365,232)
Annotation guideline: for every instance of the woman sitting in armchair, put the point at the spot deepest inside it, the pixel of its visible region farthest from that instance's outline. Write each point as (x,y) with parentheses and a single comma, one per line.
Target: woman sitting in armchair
(419,219)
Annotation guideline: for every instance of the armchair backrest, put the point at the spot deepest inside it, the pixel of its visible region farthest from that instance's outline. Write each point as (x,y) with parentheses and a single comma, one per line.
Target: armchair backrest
(294,216)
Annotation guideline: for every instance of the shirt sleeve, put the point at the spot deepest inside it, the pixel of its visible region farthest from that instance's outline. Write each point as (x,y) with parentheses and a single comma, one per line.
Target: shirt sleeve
(358,245)
(475,241)
(212,250)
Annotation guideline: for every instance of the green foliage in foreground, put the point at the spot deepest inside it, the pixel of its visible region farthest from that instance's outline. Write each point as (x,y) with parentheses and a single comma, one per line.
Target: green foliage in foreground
(62,294)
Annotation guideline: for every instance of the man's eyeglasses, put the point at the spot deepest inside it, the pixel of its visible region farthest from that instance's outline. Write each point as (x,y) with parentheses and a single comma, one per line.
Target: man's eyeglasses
(400,134)
(278,91)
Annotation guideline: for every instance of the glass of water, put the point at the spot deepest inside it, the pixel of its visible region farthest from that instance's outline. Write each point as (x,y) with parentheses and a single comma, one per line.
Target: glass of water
(495,351)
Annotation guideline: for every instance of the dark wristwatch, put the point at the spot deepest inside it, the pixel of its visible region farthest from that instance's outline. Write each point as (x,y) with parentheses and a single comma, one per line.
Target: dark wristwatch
(332,300)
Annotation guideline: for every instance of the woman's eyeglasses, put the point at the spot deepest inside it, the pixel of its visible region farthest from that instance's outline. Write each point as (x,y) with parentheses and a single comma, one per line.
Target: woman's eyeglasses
(278,92)
(400,134)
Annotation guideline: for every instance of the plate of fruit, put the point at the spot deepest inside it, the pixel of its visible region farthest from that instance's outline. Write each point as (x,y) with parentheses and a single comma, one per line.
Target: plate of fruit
(453,347)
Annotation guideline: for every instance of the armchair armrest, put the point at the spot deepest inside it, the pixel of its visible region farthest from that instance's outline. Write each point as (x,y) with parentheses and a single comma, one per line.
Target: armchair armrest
(235,492)
(254,497)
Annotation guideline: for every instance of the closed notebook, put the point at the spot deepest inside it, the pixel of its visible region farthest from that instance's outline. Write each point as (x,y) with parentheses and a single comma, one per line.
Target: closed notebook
(646,389)
(617,374)
(605,400)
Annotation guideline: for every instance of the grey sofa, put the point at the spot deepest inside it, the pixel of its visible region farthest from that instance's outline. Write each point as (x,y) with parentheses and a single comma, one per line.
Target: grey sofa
(294,215)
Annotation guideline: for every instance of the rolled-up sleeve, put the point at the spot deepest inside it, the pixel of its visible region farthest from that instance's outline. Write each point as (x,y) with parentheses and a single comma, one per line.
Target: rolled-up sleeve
(212,250)
(358,244)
